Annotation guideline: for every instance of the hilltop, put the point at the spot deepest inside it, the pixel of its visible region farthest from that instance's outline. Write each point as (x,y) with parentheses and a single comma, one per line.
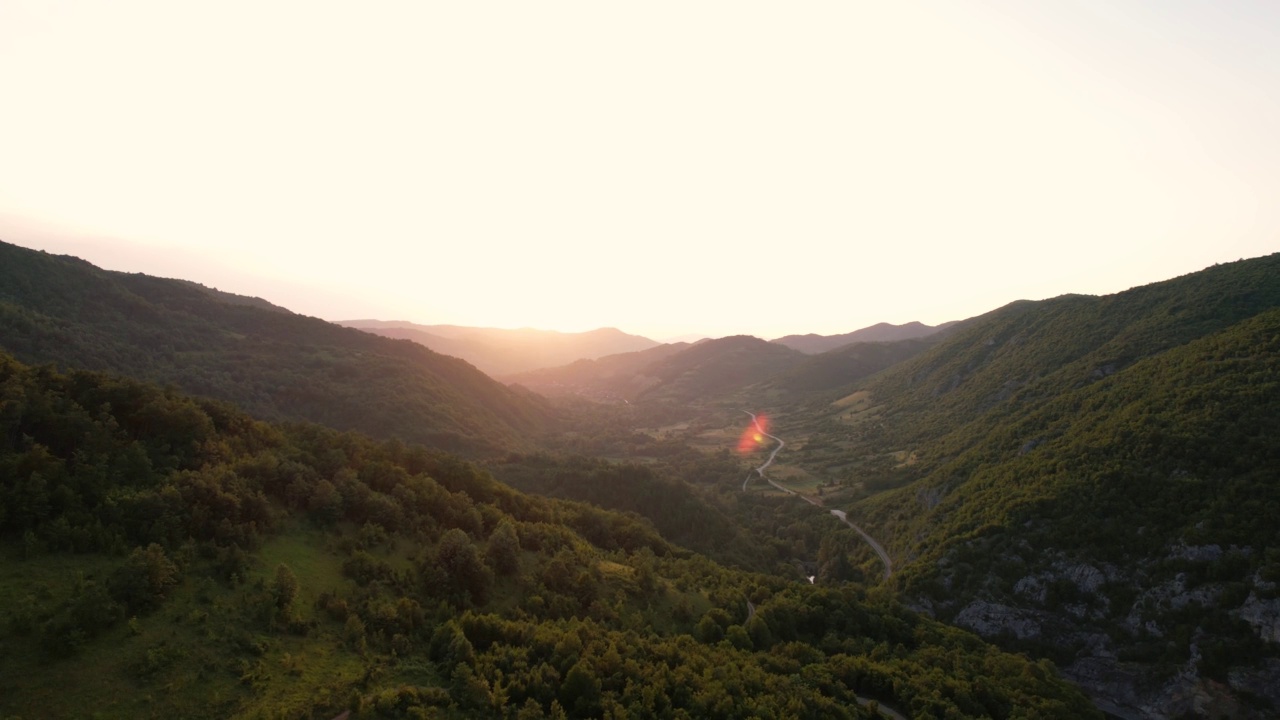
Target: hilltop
(812,344)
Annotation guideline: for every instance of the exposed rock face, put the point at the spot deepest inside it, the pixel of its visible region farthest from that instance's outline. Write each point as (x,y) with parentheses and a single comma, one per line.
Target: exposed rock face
(988,619)
(1263,615)
(1116,688)
(1197,553)
(1263,682)
(930,497)
(1032,588)
(1103,617)
(1086,577)
(1129,691)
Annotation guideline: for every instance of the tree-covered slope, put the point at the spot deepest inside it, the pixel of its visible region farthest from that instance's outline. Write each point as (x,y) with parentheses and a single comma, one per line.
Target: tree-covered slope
(273,363)
(1095,479)
(845,365)
(812,344)
(171,557)
(610,378)
(713,368)
(675,506)
(1031,351)
(1140,509)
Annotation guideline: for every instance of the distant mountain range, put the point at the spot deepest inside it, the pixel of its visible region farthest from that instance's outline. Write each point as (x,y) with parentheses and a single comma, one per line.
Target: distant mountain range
(880,332)
(499,353)
(711,369)
(271,362)
(715,367)
(680,372)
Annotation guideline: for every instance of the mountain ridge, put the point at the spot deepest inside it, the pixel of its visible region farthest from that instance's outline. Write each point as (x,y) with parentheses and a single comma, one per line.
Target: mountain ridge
(279,365)
(501,352)
(813,344)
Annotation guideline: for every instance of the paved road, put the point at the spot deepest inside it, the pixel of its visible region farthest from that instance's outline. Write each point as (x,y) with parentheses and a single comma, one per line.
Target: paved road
(877,547)
(884,556)
(760,470)
(884,711)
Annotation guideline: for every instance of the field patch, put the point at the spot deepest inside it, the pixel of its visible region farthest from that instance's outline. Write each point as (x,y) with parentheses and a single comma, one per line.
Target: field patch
(862,397)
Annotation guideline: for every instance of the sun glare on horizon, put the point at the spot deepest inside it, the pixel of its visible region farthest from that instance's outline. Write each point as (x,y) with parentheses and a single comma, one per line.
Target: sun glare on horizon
(570,166)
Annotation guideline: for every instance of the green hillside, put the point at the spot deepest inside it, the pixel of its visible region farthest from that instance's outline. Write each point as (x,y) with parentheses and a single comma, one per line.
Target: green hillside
(677,508)
(711,369)
(275,364)
(609,379)
(1088,479)
(812,344)
(1028,352)
(171,557)
(846,365)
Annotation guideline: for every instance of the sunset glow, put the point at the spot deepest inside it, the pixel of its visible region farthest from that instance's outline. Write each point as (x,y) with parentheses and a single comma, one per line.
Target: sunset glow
(546,165)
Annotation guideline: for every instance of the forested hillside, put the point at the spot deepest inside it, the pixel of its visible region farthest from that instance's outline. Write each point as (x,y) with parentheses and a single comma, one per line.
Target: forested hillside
(879,333)
(273,363)
(677,374)
(846,365)
(713,368)
(171,557)
(1132,517)
(1093,480)
(608,379)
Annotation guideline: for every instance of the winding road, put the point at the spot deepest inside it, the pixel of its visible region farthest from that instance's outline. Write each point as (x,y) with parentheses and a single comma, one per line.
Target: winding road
(760,470)
(840,514)
(884,556)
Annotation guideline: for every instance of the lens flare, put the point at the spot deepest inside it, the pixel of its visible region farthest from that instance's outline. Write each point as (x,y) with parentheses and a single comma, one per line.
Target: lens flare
(753,436)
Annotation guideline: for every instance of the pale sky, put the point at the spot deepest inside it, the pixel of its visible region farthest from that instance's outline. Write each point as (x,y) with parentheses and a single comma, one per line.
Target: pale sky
(661,167)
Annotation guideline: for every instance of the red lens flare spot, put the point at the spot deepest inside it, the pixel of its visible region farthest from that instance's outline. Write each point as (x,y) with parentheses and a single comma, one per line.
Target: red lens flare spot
(753,436)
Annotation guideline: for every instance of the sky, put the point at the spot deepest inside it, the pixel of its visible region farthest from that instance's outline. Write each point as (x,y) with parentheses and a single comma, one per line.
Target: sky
(666,168)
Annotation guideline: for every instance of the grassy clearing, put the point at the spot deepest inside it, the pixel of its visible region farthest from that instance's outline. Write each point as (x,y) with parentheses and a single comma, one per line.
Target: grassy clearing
(208,652)
(857,400)
(905,458)
(796,478)
(173,659)
(317,572)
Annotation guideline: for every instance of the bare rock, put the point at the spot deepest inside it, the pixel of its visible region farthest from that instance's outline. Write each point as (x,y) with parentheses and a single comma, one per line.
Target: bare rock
(1032,588)
(1086,577)
(1262,682)
(1263,615)
(1196,553)
(992,619)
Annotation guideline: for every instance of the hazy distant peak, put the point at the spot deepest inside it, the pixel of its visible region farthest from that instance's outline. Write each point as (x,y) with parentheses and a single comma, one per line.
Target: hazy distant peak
(502,352)
(686,338)
(813,344)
